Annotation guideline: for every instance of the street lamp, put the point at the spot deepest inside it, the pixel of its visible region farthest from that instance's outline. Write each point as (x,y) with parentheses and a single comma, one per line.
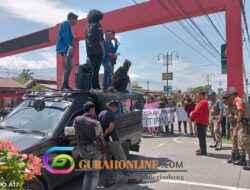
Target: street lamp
(167,60)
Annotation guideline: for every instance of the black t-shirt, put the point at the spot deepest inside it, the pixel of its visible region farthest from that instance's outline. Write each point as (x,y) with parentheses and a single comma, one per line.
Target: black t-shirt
(106,117)
(94,36)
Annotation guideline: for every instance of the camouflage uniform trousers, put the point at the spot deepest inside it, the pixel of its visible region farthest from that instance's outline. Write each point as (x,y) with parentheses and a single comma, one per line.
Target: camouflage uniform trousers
(234,137)
(244,140)
(214,128)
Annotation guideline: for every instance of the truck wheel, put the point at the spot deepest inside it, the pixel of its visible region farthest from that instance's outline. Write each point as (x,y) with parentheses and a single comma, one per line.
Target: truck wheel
(126,149)
(34,185)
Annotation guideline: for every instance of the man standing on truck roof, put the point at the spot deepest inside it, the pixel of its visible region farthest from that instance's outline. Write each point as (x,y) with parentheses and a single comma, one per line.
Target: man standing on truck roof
(114,147)
(91,143)
(65,47)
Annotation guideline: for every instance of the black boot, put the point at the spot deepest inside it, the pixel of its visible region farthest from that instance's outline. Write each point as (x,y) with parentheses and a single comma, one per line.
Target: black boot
(247,167)
(215,145)
(241,161)
(234,157)
(219,146)
(172,129)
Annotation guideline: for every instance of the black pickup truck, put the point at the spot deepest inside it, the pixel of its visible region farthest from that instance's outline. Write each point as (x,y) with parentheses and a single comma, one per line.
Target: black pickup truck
(35,130)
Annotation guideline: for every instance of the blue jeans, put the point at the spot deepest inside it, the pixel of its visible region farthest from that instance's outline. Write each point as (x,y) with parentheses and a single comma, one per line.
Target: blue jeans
(108,72)
(67,71)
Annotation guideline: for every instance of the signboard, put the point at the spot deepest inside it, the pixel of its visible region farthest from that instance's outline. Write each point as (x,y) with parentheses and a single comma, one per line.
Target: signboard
(181,114)
(157,117)
(220,89)
(224,59)
(167,90)
(208,87)
(167,76)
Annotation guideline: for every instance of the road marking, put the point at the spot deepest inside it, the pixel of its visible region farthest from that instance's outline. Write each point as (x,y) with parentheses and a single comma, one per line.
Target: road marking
(159,145)
(202,184)
(176,140)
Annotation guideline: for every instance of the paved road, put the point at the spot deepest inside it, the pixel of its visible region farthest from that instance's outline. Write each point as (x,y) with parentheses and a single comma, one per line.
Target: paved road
(203,173)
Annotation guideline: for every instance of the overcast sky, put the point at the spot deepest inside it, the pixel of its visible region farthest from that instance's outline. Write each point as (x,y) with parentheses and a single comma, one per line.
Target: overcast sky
(142,46)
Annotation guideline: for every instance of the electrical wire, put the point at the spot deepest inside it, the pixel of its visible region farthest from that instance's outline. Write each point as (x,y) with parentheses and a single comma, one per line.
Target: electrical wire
(210,20)
(180,5)
(199,40)
(173,33)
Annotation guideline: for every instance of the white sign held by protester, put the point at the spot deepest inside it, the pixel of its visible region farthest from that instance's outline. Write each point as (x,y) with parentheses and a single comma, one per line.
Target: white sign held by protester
(157,117)
(181,114)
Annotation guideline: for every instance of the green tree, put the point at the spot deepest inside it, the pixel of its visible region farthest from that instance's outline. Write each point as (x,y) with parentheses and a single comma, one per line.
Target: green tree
(198,89)
(38,87)
(24,76)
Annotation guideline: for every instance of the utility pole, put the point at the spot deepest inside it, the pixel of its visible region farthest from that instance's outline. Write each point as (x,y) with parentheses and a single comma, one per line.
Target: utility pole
(168,60)
(220,84)
(148,86)
(208,78)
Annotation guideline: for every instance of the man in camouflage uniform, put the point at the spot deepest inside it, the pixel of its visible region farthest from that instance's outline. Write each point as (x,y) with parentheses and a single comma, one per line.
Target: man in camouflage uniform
(231,112)
(216,113)
(243,126)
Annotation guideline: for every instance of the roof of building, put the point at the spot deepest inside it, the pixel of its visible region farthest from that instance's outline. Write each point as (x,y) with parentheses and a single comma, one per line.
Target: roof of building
(10,83)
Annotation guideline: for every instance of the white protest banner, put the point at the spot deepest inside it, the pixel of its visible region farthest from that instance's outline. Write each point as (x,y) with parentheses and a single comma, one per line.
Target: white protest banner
(157,117)
(181,114)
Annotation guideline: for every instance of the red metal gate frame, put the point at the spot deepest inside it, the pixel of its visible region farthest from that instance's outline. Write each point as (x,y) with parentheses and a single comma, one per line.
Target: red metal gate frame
(135,17)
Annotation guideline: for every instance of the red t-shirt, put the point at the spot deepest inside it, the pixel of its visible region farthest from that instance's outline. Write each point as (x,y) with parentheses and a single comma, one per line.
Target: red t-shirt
(201,113)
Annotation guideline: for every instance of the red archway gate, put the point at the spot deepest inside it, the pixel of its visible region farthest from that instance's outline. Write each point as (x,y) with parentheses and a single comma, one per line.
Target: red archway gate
(144,15)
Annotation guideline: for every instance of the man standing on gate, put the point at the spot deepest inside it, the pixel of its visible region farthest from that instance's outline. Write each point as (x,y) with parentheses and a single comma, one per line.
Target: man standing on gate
(95,44)
(243,126)
(216,114)
(90,142)
(65,47)
(200,116)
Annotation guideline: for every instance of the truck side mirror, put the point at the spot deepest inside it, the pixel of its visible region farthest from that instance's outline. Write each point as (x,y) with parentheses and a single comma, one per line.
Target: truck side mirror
(69,131)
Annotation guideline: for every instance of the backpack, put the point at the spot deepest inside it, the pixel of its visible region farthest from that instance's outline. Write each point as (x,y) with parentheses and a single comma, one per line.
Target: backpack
(83,76)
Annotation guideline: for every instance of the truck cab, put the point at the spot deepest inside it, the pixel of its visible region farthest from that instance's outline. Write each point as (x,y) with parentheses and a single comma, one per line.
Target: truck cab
(39,123)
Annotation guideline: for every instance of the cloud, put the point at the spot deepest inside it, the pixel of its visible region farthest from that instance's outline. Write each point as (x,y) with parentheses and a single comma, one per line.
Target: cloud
(47,12)
(47,60)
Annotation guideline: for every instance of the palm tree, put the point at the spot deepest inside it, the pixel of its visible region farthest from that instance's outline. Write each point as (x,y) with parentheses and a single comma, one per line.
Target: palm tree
(24,76)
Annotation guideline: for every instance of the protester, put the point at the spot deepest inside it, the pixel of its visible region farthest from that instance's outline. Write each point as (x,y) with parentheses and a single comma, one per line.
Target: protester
(242,125)
(90,141)
(121,78)
(171,104)
(189,107)
(200,116)
(114,147)
(109,58)
(65,47)
(95,44)
(182,104)
(216,113)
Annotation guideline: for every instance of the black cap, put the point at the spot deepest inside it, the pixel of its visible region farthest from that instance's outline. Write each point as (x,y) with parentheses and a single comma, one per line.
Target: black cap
(72,15)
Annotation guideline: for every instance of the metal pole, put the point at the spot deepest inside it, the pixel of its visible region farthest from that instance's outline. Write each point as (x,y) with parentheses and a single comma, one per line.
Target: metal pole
(167,71)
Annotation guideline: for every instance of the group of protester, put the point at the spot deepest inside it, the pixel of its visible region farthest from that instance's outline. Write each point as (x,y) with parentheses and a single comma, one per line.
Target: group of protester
(188,105)
(100,51)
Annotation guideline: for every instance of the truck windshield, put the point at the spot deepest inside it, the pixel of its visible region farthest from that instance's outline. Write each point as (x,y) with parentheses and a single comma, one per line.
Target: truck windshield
(25,117)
